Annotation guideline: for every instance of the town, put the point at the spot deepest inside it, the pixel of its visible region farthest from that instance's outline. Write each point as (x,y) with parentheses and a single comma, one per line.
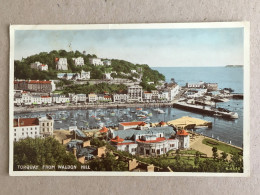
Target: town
(137,144)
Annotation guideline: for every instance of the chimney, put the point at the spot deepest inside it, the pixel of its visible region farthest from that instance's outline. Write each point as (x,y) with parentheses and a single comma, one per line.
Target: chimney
(75,151)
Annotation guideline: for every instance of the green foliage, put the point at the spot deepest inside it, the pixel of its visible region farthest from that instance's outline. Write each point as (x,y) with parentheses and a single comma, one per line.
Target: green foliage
(108,163)
(215,152)
(40,152)
(97,88)
(222,146)
(97,142)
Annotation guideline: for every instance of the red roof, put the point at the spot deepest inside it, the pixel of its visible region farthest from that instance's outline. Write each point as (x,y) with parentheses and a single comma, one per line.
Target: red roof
(43,65)
(117,139)
(125,143)
(26,122)
(182,132)
(142,124)
(40,82)
(132,123)
(56,59)
(107,96)
(162,123)
(158,139)
(103,130)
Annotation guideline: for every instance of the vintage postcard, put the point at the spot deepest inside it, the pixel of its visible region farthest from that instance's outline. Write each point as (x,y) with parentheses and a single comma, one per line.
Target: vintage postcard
(129,100)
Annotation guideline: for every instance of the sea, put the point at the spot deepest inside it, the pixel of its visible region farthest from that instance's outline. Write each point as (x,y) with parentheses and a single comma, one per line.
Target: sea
(229,131)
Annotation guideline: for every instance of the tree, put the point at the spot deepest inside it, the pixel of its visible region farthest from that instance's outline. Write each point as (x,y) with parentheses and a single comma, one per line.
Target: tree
(40,152)
(215,152)
(237,162)
(224,156)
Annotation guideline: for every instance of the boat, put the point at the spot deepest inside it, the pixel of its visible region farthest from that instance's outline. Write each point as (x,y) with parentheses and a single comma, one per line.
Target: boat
(141,115)
(150,114)
(138,108)
(97,118)
(161,111)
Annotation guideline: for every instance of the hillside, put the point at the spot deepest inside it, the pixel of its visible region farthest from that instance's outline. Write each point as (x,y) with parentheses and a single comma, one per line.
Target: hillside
(22,69)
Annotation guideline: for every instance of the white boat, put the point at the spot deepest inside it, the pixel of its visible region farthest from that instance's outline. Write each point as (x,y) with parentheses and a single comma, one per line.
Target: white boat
(161,111)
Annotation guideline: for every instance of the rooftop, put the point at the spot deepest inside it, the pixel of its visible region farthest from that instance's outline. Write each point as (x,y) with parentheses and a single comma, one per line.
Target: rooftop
(131,123)
(23,122)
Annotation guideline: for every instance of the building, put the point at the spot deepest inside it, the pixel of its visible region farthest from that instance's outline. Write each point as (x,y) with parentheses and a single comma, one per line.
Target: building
(200,84)
(147,97)
(152,142)
(60,99)
(61,63)
(46,99)
(135,93)
(26,127)
(81,98)
(96,61)
(84,75)
(173,89)
(39,66)
(184,139)
(34,85)
(155,95)
(107,76)
(92,97)
(32,127)
(46,126)
(40,86)
(78,61)
(195,93)
(120,98)
(212,86)
(107,62)
(132,125)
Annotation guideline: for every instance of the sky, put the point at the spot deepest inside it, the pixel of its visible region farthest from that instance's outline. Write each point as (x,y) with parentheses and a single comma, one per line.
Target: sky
(155,47)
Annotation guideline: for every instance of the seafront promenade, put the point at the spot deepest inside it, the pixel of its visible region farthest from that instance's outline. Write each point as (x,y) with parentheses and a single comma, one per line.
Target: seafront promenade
(88,106)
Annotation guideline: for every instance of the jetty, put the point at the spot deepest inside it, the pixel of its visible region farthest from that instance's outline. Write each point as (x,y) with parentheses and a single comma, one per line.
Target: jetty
(187,122)
(206,110)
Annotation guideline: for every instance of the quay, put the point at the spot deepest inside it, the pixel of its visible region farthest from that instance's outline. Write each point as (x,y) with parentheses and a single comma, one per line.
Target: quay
(187,122)
(205,110)
(18,110)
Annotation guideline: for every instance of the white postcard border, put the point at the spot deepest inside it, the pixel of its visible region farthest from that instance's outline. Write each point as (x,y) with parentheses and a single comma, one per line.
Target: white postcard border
(246,119)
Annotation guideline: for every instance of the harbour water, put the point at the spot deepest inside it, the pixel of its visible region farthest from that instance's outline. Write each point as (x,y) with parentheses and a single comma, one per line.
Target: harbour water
(222,129)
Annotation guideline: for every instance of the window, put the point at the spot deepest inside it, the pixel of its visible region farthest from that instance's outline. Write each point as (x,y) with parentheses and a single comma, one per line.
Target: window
(15,134)
(14,139)
(31,129)
(14,129)
(31,133)
(35,128)
(162,149)
(153,150)
(42,124)
(35,132)
(22,129)
(47,124)
(22,133)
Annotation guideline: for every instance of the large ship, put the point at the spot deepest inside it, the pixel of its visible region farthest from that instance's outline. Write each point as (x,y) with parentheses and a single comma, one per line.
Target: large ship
(221,112)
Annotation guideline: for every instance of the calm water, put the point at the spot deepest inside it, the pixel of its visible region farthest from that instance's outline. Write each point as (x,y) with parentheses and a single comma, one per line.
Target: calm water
(225,77)
(224,130)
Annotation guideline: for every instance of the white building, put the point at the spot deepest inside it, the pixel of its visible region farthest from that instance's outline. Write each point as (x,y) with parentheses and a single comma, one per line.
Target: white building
(60,99)
(96,61)
(32,127)
(73,97)
(82,97)
(78,61)
(92,97)
(61,64)
(107,62)
(26,127)
(107,76)
(133,71)
(46,126)
(147,96)
(200,84)
(152,142)
(135,93)
(39,66)
(173,89)
(195,93)
(84,75)
(120,98)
